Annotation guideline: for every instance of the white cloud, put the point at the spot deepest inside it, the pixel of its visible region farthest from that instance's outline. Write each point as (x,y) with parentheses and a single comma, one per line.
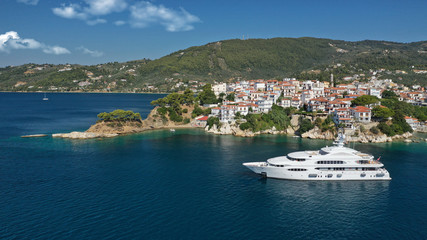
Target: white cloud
(92,9)
(11,40)
(57,50)
(142,14)
(93,53)
(28,2)
(119,23)
(72,11)
(145,13)
(104,7)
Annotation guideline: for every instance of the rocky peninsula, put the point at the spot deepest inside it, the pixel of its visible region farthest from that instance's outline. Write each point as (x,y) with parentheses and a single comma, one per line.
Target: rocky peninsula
(106,129)
(182,110)
(155,121)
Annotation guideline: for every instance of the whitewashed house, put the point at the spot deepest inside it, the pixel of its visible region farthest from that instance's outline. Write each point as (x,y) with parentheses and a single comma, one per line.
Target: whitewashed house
(361,114)
(219,88)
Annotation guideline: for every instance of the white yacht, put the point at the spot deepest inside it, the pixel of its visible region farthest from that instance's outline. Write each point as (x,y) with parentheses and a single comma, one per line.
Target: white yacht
(330,163)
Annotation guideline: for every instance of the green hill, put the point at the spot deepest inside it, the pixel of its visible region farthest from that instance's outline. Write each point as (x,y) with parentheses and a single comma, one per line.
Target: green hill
(229,60)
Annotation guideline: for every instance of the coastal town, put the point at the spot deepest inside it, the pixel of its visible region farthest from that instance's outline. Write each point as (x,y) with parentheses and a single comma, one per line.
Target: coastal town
(373,111)
(323,98)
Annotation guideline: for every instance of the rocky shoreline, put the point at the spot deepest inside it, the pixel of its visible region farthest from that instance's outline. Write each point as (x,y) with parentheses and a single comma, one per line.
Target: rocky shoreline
(315,133)
(113,129)
(155,122)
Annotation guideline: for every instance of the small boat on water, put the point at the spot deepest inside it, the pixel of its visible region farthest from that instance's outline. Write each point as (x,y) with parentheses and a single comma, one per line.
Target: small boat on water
(45,98)
(172,130)
(329,163)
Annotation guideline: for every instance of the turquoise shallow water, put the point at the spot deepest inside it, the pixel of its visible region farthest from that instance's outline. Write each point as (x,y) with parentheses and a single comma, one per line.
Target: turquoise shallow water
(184,185)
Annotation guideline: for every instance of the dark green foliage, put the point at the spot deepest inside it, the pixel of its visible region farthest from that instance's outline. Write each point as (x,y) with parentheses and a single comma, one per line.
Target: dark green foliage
(407,109)
(245,126)
(305,126)
(374,130)
(381,112)
(398,127)
(278,117)
(318,122)
(172,103)
(207,96)
(162,110)
(186,120)
(388,94)
(364,100)
(174,100)
(399,120)
(221,96)
(119,115)
(174,116)
(188,97)
(328,124)
(230,97)
(386,129)
(237,115)
(213,121)
(199,111)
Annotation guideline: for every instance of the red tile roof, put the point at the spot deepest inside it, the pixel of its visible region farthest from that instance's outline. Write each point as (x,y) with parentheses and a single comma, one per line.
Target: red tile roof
(204,118)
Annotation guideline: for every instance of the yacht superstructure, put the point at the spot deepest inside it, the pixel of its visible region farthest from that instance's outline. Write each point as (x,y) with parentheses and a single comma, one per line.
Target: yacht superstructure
(329,163)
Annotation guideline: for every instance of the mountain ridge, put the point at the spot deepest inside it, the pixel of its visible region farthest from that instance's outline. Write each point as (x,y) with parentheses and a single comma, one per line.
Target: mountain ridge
(231,60)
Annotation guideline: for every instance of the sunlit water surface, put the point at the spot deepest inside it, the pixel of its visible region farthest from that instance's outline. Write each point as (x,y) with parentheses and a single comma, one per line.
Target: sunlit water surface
(185,184)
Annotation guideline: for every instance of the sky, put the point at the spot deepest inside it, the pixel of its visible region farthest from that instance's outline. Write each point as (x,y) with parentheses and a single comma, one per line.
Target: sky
(99,31)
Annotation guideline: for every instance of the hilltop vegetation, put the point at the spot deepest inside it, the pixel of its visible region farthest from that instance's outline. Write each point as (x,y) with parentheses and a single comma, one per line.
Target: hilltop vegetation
(230,60)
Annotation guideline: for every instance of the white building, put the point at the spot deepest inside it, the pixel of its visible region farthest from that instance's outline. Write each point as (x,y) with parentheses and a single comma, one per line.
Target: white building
(413,122)
(285,102)
(260,86)
(243,109)
(375,92)
(264,105)
(361,114)
(219,88)
(227,113)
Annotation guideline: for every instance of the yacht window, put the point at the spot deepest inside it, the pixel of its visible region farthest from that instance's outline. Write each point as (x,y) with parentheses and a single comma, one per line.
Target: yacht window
(296,159)
(297,169)
(330,162)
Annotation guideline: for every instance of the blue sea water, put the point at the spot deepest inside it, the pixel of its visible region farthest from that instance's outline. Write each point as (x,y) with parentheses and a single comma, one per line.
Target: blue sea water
(186,184)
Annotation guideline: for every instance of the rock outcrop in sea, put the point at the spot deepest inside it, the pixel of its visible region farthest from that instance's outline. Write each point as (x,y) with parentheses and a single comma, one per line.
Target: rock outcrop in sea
(83,135)
(112,129)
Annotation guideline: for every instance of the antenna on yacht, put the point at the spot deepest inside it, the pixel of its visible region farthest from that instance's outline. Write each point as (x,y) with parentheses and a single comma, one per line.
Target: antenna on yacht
(339,142)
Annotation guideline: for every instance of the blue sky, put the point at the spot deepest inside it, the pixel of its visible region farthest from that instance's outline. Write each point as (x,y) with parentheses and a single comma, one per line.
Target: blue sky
(99,31)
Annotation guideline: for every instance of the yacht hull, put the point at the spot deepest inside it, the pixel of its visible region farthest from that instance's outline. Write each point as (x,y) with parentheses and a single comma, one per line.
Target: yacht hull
(313,174)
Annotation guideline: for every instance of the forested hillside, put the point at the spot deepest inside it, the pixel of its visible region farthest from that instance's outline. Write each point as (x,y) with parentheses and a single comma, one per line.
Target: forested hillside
(230,60)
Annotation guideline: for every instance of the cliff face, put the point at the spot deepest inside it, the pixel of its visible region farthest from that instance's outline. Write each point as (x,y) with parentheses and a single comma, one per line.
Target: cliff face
(233,129)
(363,137)
(316,133)
(155,121)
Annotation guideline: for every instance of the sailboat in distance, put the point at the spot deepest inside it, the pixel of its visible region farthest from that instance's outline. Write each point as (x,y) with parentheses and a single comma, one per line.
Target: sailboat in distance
(45,98)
